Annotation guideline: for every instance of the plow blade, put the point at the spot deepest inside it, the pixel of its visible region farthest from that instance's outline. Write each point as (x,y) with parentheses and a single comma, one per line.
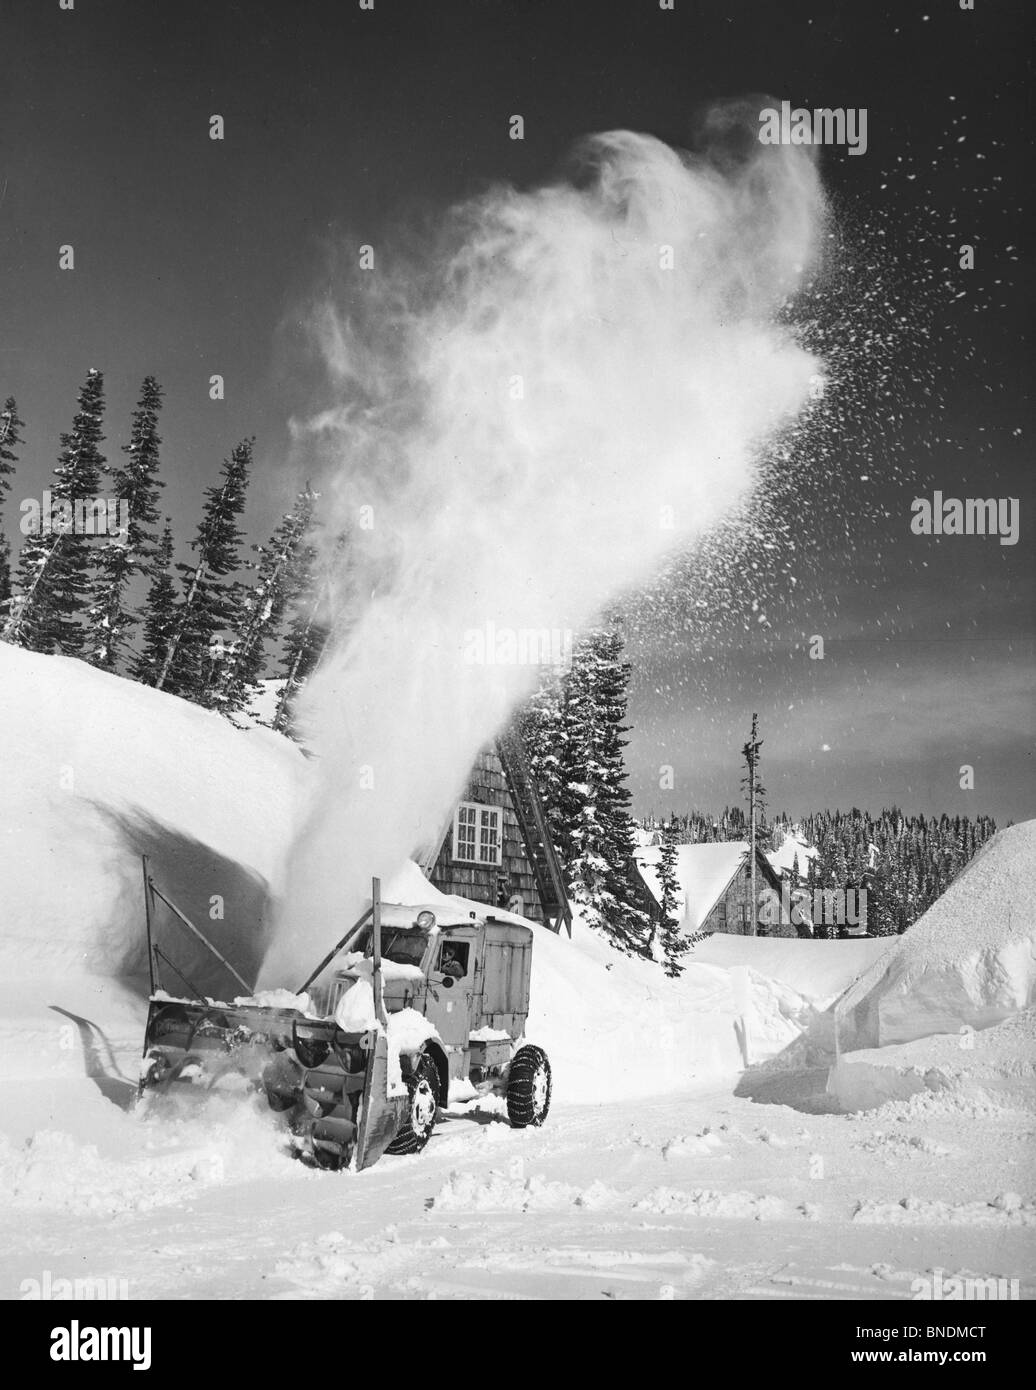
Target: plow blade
(381,1115)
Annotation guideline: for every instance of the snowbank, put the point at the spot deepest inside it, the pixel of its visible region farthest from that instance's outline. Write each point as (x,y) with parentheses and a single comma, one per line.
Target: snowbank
(617,1028)
(819,970)
(996,1066)
(970,960)
(97,771)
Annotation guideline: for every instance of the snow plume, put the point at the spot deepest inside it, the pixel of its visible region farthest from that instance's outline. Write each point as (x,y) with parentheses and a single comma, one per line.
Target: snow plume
(571,383)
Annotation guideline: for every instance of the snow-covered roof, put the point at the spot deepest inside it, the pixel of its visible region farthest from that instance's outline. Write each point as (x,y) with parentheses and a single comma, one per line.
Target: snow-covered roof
(408,892)
(793,856)
(702,873)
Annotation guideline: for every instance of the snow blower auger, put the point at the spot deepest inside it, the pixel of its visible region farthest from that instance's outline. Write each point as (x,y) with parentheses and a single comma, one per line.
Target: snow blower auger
(360,1064)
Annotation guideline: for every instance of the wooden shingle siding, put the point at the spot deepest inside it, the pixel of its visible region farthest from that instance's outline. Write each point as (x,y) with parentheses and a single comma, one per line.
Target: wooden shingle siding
(488,787)
(728,913)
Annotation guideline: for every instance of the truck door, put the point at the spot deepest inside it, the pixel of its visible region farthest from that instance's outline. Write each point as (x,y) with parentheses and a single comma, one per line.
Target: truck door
(453,982)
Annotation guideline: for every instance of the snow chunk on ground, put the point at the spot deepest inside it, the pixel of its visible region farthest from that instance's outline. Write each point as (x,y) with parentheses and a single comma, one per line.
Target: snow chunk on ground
(1008,1209)
(471,1192)
(698,1201)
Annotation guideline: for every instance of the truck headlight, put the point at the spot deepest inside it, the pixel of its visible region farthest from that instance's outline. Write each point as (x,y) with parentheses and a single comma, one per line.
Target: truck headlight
(426,920)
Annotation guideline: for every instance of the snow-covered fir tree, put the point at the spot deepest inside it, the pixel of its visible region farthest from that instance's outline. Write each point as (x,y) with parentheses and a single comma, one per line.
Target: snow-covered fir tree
(673,944)
(210,607)
(136,487)
(577,754)
(10,438)
(281,568)
(158,615)
(56,562)
(321,607)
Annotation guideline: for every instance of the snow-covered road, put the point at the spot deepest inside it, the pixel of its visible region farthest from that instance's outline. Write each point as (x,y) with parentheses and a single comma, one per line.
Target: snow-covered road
(692,1196)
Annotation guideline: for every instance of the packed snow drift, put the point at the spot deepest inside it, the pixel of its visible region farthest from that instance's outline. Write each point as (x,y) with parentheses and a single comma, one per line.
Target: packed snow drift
(969,962)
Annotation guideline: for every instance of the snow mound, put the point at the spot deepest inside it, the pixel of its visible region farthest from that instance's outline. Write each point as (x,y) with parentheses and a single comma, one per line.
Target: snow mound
(495,1191)
(671,1201)
(615,1028)
(997,1065)
(1008,1209)
(98,771)
(969,961)
(144,1163)
(818,970)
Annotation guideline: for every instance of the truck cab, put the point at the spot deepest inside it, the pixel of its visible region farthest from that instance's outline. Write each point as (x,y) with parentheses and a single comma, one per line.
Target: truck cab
(468,975)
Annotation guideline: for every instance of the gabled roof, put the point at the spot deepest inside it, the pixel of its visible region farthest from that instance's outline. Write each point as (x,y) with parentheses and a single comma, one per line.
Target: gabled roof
(703,873)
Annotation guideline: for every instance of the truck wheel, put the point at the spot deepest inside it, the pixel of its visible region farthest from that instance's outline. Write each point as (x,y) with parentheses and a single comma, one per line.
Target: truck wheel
(528,1088)
(423,1104)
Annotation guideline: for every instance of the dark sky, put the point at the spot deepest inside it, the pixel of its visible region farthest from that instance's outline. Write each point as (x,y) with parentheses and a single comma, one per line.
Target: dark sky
(344,126)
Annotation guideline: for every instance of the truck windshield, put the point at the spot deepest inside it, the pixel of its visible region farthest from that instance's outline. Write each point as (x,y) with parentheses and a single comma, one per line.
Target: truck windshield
(405,947)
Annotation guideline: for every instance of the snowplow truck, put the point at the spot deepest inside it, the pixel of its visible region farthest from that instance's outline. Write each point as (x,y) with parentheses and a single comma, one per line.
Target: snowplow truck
(360,1061)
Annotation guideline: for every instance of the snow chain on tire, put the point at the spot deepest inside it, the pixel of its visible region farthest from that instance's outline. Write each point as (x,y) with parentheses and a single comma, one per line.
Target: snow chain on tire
(408,1140)
(528,1088)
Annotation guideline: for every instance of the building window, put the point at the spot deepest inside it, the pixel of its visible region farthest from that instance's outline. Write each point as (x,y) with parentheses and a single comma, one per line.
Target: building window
(476,834)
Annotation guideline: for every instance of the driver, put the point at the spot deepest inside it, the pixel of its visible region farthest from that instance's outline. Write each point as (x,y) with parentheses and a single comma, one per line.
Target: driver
(451,961)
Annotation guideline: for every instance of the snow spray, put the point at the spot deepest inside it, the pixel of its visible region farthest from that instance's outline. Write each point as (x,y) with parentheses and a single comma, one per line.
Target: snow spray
(563,387)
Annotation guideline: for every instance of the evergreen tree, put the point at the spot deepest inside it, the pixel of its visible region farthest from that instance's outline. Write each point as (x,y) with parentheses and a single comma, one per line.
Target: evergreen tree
(159,613)
(210,606)
(754,793)
(577,756)
(9,440)
(673,944)
(321,606)
(281,569)
(136,488)
(55,564)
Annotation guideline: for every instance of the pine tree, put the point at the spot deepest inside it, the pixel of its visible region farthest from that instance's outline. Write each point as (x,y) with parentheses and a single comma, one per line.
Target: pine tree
(159,613)
(281,570)
(541,723)
(673,944)
(321,607)
(210,607)
(587,799)
(136,488)
(55,564)
(754,794)
(9,440)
